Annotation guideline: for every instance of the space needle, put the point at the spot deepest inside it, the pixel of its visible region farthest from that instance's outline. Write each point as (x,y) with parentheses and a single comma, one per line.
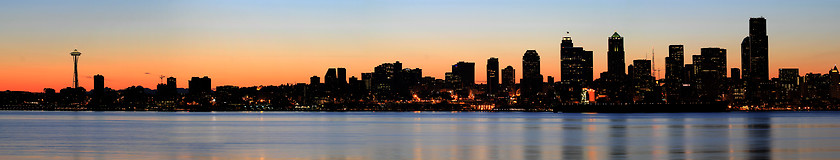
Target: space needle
(75,55)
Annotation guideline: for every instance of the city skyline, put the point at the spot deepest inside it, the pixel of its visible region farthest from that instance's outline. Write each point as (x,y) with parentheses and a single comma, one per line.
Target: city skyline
(39,61)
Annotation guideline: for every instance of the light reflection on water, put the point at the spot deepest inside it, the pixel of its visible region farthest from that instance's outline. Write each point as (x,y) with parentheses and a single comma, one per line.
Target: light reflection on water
(424,135)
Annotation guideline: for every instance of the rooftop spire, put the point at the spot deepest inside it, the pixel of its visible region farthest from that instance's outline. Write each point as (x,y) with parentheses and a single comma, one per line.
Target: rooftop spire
(615,35)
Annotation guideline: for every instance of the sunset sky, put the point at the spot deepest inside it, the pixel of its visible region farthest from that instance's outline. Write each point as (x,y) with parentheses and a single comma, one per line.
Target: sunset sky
(247,43)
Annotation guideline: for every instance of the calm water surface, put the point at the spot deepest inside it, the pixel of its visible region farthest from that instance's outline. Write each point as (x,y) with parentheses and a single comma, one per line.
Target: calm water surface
(423,135)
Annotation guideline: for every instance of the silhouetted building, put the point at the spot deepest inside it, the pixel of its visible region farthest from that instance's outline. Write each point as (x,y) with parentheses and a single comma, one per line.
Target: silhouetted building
(788,86)
(754,60)
(464,74)
(575,64)
(615,55)
(200,85)
(642,80)
(314,80)
(711,74)
(532,80)
(98,86)
(674,71)
(834,80)
(493,75)
(386,83)
(509,78)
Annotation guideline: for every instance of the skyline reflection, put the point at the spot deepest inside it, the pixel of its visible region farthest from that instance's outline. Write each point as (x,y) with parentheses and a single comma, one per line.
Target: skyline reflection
(425,135)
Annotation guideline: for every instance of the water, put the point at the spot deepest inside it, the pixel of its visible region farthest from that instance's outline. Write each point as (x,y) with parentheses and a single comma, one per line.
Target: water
(423,135)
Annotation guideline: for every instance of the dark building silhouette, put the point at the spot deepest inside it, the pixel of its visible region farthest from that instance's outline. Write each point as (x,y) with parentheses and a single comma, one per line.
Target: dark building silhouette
(341,76)
(674,71)
(615,55)
(788,86)
(834,80)
(314,80)
(754,60)
(98,85)
(493,75)
(464,74)
(735,74)
(641,77)
(509,78)
(711,74)
(532,80)
(200,85)
(385,81)
(575,64)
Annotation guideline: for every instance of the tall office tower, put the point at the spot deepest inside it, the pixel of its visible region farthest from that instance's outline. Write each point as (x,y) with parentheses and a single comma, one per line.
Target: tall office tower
(385,81)
(754,59)
(509,78)
(464,72)
(789,84)
(575,64)
(75,55)
(172,83)
(674,71)
(735,74)
(615,55)
(98,85)
(493,75)
(341,76)
(532,80)
(331,78)
(712,74)
(200,85)
(314,80)
(367,79)
(642,74)
(834,80)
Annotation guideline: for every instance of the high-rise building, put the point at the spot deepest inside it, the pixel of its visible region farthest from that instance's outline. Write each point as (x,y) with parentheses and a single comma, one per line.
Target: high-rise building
(98,86)
(493,75)
(615,55)
(674,71)
(642,74)
(341,75)
(575,64)
(200,85)
(464,72)
(509,78)
(314,80)
(331,78)
(735,74)
(712,74)
(834,80)
(754,59)
(171,82)
(532,80)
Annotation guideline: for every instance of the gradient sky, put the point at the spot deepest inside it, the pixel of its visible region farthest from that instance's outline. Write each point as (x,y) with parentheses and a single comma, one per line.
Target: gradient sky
(247,43)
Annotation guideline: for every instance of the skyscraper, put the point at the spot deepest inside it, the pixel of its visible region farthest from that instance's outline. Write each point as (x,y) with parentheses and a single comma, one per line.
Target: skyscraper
(314,80)
(834,80)
(75,55)
(754,59)
(509,78)
(712,74)
(98,86)
(532,80)
(493,75)
(575,64)
(464,72)
(674,68)
(615,55)
(200,85)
